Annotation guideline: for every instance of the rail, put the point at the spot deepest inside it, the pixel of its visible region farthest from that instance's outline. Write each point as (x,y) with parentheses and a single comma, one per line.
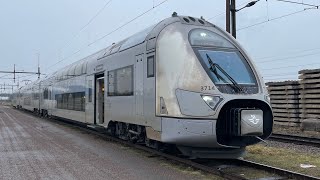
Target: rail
(301,140)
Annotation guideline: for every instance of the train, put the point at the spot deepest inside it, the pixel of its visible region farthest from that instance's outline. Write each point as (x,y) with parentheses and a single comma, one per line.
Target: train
(183,82)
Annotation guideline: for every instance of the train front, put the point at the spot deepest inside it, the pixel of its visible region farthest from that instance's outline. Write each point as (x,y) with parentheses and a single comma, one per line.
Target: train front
(210,97)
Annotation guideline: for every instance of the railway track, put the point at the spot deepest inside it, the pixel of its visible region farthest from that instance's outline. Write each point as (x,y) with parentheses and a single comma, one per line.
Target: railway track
(277,173)
(301,140)
(282,172)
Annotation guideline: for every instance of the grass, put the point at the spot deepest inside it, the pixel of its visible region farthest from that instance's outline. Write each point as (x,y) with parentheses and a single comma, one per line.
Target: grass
(284,158)
(198,174)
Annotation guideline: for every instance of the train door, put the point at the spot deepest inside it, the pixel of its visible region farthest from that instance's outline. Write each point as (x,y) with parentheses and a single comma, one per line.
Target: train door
(89,100)
(139,75)
(49,104)
(99,99)
(149,92)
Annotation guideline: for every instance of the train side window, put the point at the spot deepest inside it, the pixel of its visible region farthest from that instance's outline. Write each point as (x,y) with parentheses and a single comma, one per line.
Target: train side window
(65,101)
(90,91)
(59,101)
(120,82)
(111,84)
(49,94)
(45,93)
(79,101)
(70,102)
(124,81)
(150,66)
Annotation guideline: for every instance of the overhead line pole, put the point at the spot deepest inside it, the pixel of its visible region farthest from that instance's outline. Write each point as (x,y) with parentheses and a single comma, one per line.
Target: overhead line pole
(231,17)
(228,16)
(18,72)
(38,65)
(231,9)
(14,73)
(22,72)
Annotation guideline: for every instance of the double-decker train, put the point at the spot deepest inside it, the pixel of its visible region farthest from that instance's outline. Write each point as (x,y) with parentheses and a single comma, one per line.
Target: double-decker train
(182,82)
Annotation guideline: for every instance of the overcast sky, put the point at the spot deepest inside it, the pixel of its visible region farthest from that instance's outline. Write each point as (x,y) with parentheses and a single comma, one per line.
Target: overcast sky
(58,29)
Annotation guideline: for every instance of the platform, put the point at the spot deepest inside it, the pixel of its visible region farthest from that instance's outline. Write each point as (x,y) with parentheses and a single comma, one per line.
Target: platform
(35,148)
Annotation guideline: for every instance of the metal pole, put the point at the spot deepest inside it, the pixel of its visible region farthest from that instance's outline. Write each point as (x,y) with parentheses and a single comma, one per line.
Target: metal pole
(14,73)
(233,18)
(38,65)
(228,16)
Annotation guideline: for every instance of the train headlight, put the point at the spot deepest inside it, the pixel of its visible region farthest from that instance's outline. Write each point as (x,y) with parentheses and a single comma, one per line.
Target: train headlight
(212,101)
(267,98)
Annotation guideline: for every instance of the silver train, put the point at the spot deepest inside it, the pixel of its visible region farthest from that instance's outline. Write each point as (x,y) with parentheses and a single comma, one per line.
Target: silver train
(183,82)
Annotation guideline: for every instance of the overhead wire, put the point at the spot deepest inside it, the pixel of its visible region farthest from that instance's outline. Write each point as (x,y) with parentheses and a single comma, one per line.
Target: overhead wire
(291,57)
(224,12)
(300,3)
(268,20)
(88,23)
(128,22)
(284,76)
(111,32)
(273,19)
(295,52)
(301,65)
(140,15)
(82,28)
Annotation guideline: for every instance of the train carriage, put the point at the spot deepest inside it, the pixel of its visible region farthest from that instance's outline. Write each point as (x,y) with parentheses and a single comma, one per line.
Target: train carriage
(182,82)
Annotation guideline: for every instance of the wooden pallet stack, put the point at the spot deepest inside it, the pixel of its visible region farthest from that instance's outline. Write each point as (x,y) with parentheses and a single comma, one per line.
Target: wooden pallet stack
(310,93)
(285,101)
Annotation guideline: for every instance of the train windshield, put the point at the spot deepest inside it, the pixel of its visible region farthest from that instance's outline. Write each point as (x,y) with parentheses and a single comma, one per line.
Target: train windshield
(223,62)
(227,67)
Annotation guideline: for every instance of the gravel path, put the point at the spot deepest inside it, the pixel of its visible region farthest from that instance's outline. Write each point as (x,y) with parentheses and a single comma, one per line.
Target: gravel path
(34,148)
(294,131)
(293,147)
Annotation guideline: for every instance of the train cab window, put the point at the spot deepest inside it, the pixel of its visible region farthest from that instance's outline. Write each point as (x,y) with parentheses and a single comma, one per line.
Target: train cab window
(150,66)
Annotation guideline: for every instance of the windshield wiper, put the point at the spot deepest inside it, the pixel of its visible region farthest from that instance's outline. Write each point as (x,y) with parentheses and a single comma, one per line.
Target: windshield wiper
(234,83)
